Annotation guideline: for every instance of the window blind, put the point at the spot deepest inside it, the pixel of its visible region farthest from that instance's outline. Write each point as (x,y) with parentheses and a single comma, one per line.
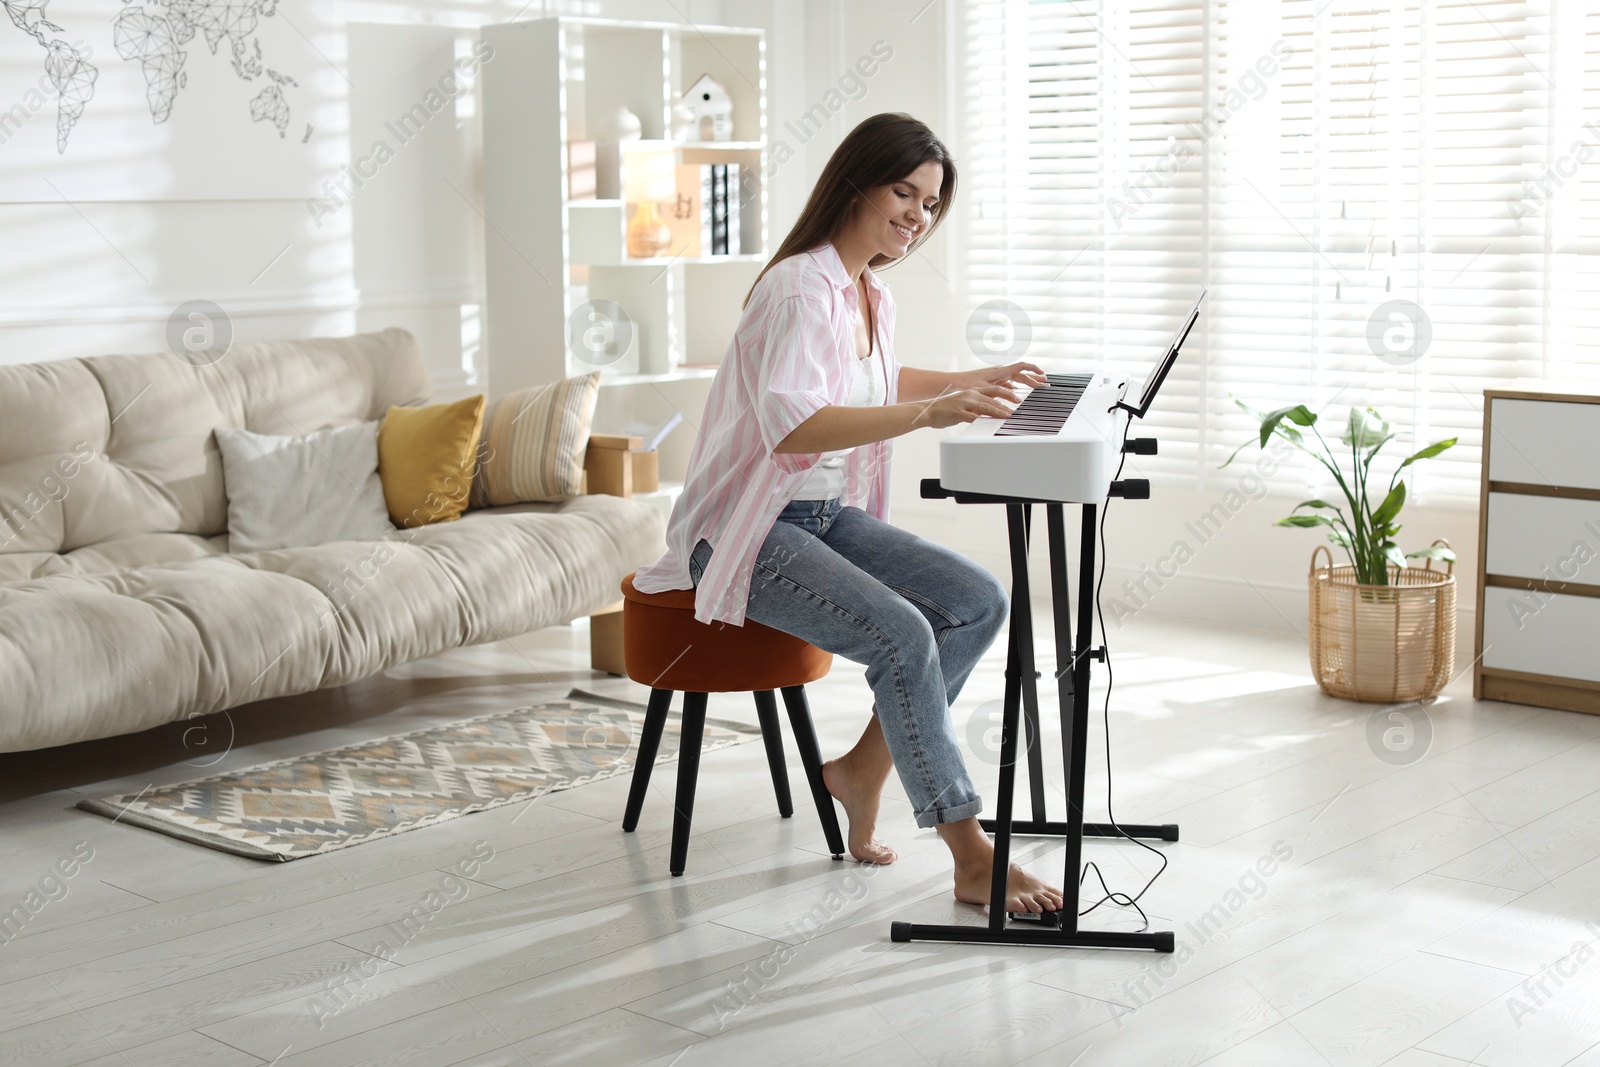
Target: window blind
(1392,204)
(1081,217)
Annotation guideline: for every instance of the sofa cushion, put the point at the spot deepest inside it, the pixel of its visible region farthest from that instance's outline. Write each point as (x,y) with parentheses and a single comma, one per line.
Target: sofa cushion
(426,457)
(139,429)
(96,655)
(534,442)
(290,492)
(117,554)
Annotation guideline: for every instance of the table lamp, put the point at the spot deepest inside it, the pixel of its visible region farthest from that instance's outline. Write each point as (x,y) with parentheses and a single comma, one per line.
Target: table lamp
(647,178)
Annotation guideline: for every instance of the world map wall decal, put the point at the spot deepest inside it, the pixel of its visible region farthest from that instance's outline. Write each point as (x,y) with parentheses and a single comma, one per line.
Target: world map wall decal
(159,37)
(68,69)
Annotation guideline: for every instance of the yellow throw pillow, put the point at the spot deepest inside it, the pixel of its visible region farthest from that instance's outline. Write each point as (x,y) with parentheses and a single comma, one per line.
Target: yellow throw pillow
(534,442)
(426,457)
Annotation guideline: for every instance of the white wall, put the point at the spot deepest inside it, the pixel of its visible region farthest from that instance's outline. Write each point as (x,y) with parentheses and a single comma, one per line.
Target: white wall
(101,275)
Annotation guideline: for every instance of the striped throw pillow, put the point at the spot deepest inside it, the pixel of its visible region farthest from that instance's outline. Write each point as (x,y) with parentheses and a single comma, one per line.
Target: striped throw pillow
(534,442)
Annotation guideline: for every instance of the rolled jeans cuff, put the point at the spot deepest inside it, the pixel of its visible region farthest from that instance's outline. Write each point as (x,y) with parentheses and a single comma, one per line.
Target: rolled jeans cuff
(938,816)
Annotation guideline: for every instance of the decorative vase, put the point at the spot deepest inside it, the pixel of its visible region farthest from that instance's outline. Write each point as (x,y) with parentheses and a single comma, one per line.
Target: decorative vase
(619,124)
(1390,643)
(648,234)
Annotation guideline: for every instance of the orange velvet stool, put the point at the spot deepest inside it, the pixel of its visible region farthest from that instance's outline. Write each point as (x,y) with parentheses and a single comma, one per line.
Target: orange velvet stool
(667,649)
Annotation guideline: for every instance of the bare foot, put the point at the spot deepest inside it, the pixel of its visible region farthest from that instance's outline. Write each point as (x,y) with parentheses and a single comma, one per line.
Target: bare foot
(1024,892)
(860,800)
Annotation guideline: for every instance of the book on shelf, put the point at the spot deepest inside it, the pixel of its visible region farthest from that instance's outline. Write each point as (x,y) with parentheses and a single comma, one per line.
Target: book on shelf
(708,197)
(683,214)
(703,216)
(719,209)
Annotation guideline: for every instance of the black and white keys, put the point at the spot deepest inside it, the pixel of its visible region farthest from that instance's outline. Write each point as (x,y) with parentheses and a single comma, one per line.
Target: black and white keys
(1045,410)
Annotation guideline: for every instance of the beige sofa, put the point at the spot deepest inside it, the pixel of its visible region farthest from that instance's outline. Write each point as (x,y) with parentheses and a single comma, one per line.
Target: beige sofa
(120,606)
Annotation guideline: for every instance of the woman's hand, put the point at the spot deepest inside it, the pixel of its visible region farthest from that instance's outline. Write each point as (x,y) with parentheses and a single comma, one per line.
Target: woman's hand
(965,405)
(935,399)
(1028,375)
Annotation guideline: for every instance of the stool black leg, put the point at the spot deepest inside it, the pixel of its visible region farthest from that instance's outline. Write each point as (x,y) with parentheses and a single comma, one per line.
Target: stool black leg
(655,719)
(767,713)
(805,735)
(694,726)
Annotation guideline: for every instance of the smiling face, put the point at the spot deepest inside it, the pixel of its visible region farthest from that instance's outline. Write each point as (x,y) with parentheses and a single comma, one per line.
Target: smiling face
(889,217)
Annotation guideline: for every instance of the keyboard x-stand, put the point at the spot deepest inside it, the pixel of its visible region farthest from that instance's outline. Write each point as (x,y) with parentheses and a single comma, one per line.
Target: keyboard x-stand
(1022,701)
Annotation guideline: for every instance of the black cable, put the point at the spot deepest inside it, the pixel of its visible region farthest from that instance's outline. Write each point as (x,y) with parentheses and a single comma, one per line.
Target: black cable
(1122,900)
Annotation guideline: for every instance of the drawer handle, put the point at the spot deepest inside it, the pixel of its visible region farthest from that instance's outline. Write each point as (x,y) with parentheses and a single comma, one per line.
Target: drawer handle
(1450,567)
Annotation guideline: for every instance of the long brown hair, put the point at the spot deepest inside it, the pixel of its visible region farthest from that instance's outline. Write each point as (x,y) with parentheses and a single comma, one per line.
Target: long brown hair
(882,149)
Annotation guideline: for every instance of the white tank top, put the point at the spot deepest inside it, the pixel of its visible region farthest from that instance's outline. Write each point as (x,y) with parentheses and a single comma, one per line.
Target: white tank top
(866,390)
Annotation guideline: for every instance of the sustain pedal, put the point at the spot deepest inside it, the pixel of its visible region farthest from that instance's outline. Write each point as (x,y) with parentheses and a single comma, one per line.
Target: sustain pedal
(1051,919)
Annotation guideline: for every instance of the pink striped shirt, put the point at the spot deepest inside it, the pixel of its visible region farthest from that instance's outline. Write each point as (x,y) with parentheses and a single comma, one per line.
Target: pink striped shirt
(787,359)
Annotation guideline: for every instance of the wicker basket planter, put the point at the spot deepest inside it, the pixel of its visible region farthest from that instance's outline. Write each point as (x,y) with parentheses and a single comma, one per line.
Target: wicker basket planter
(1382,643)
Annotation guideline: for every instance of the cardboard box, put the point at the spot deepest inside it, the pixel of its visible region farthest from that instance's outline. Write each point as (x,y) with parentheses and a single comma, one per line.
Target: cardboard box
(646,472)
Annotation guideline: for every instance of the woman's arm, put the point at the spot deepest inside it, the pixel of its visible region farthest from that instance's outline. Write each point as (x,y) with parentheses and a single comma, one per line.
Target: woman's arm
(919,384)
(960,397)
(841,426)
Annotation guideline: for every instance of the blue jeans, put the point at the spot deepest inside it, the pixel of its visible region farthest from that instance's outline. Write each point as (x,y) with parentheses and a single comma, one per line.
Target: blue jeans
(918,615)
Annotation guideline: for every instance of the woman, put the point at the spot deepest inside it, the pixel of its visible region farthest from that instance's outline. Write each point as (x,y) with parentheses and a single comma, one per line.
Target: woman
(783,513)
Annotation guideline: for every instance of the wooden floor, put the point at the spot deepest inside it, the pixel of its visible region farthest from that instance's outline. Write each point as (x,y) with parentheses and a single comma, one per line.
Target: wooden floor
(1444,910)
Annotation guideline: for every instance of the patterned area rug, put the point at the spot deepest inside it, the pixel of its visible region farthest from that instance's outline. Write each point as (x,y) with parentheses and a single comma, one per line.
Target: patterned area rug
(331,800)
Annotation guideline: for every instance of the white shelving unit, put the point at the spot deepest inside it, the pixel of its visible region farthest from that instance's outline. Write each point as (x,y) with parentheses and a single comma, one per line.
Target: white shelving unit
(551,81)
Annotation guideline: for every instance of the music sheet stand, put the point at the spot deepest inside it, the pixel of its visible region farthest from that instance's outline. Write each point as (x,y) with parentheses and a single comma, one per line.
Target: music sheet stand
(1059,928)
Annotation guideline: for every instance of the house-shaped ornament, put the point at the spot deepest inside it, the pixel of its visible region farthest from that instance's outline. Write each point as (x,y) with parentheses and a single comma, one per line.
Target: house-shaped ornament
(712,108)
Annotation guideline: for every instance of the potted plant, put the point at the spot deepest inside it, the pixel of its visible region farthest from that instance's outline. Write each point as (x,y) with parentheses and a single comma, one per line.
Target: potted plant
(1381,630)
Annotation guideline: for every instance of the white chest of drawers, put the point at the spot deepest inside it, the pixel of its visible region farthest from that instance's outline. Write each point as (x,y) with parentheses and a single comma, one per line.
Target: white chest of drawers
(1538,626)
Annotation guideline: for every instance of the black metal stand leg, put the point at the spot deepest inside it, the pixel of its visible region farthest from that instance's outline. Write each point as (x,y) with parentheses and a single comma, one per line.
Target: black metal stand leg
(1019,665)
(805,736)
(1075,740)
(694,727)
(1033,739)
(1167,831)
(767,714)
(1061,605)
(1060,929)
(1030,701)
(655,720)
(1066,686)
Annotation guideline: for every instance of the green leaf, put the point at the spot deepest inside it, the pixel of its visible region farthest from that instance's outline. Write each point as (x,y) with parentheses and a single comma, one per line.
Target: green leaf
(1390,507)
(1236,452)
(1392,553)
(1274,422)
(1439,552)
(1339,537)
(1315,504)
(1304,521)
(1365,429)
(1300,415)
(1246,408)
(1429,452)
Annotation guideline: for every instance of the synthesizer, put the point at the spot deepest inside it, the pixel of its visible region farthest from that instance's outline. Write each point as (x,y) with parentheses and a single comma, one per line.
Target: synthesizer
(1064,439)
(1062,442)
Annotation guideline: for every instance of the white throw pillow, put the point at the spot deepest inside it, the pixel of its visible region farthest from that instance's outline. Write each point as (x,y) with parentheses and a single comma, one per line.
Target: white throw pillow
(290,492)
